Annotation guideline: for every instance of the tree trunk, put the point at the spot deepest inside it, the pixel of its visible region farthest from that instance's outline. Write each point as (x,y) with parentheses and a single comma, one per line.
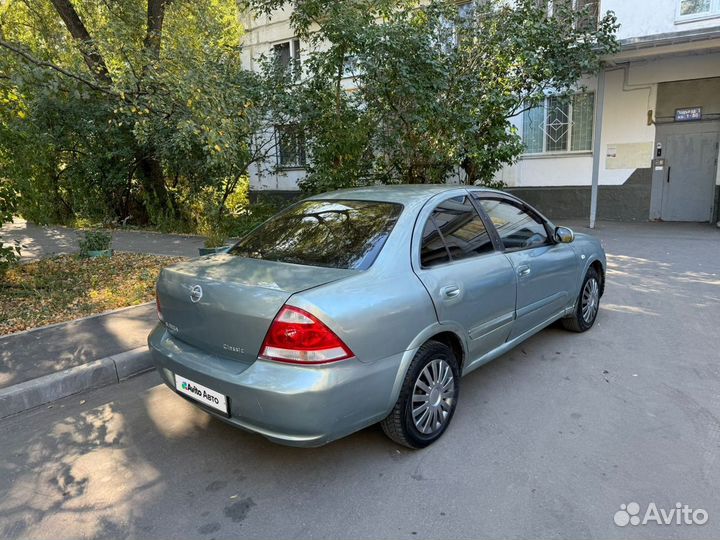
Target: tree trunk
(471,170)
(88,49)
(60,207)
(153,32)
(157,199)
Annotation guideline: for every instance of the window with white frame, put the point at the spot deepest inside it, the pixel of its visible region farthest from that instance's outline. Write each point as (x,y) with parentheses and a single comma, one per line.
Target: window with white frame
(560,124)
(449,34)
(287,54)
(591,12)
(589,8)
(290,147)
(697,9)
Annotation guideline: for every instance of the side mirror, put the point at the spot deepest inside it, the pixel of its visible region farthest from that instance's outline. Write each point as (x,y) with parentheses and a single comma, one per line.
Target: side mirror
(564,235)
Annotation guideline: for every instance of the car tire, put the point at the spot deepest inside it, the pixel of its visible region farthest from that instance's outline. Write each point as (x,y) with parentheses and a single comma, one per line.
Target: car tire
(432,380)
(587,304)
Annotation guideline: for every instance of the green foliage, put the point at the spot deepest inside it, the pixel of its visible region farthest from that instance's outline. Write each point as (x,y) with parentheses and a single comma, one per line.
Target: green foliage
(94,241)
(260,210)
(171,115)
(429,92)
(154,121)
(9,254)
(206,206)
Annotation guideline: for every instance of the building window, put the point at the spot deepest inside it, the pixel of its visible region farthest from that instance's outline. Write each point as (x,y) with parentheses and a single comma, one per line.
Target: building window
(589,8)
(448,34)
(591,12)
(560,124)
(287,54)
(697,9)
(291,147)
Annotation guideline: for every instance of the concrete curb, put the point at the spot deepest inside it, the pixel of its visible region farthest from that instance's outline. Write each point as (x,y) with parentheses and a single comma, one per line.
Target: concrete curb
(49,388)
(131,363)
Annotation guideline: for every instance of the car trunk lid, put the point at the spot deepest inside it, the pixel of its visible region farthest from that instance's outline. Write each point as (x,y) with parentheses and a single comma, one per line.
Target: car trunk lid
(225,304)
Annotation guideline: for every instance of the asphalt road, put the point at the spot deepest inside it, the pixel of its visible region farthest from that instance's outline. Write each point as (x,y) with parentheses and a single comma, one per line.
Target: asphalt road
(38,241)
(548,440)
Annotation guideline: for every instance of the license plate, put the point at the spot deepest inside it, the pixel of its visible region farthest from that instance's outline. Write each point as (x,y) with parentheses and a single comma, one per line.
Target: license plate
(202,394)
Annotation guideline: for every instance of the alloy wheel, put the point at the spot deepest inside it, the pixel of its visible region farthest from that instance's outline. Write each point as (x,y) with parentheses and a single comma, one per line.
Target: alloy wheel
(433,397)
(590,300)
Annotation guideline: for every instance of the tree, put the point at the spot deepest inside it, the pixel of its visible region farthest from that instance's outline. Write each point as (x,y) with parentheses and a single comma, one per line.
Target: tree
(101,80)
(135,109)
(396,92)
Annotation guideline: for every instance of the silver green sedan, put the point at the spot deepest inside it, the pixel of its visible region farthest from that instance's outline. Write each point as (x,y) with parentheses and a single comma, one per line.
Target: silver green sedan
(368,305)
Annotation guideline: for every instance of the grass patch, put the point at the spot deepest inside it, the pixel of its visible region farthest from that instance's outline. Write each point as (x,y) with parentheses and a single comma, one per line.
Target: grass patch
(63,288)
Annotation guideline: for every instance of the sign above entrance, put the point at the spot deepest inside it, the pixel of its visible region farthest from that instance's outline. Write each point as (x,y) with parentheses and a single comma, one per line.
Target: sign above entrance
(688,115)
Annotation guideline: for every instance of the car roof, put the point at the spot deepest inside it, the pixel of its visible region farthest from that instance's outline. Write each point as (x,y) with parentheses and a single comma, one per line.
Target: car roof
(399,193)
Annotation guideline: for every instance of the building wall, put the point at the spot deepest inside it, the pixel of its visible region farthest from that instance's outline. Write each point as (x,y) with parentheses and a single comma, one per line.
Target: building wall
(559,185)
(651,17)
(627,202)
(261,32)
(630,92)
(674,95)
(638,18)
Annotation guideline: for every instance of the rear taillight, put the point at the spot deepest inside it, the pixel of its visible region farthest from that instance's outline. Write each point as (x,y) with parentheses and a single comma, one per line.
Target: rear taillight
(297,337)
(157,305)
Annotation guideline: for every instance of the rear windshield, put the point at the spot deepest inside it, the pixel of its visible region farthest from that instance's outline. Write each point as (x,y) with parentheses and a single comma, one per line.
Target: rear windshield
(334,234)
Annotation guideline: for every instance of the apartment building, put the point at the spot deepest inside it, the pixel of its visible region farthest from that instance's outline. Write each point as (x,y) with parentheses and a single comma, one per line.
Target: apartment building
(645,130)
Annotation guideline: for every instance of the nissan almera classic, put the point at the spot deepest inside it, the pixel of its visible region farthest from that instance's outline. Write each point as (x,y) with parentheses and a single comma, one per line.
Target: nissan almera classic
(368,305)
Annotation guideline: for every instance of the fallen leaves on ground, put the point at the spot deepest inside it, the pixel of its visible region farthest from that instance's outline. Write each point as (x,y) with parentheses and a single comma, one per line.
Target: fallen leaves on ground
(63,288)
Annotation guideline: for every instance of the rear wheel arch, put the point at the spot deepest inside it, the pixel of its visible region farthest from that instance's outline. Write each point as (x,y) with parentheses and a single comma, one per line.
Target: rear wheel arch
(407,421)
(438,333)
(452,340)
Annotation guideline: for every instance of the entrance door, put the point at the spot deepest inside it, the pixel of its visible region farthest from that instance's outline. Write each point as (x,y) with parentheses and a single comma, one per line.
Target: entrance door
(688,186)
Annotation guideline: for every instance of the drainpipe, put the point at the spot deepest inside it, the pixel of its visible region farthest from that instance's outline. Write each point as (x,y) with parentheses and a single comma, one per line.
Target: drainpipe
(600,102)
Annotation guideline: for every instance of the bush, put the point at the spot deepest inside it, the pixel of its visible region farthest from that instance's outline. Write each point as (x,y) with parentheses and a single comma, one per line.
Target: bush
(95,241)
(9,253)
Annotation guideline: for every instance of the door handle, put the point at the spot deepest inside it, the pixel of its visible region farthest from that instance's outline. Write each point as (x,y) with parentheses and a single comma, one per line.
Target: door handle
(450,292)
(523,270)
(668,178)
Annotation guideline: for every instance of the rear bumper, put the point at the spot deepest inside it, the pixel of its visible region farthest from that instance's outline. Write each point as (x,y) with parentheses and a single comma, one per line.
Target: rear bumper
(288,404)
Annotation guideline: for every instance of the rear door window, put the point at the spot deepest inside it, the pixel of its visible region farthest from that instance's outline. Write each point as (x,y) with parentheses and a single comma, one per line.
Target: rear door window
(454,232)
(433,251)
(328,233)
